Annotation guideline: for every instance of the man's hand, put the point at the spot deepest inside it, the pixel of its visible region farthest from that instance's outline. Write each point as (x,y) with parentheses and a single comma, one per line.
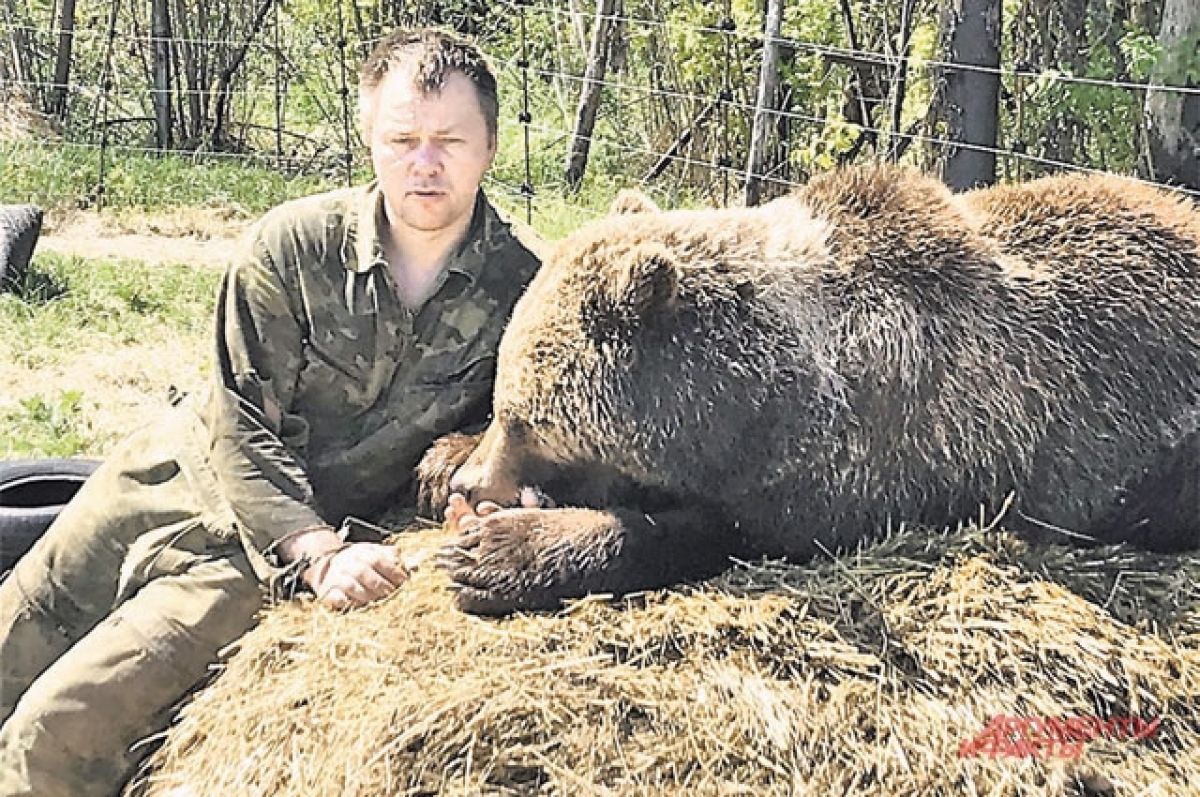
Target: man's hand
(345,575)
(461,517)
(436,468)
(356,575)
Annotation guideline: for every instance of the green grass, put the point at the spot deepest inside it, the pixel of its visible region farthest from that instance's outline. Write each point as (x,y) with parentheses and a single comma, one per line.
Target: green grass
(46,426)
(65,302)
(68,312)
(62,176)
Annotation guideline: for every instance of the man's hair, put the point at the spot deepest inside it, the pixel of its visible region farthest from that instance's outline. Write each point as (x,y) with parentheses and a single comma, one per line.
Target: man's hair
(434,54)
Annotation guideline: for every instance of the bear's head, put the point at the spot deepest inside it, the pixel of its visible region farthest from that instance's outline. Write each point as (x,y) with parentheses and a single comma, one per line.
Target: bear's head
(647,355)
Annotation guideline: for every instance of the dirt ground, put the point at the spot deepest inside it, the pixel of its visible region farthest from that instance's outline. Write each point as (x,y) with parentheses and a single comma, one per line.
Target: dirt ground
(195,237)
(123,386)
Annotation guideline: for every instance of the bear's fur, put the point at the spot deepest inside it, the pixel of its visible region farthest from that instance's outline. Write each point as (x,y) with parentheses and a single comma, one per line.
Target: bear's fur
(872,350)
(629,200)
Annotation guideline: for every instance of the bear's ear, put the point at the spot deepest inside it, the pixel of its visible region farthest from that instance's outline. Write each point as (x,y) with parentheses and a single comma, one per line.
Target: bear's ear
(643,283)
(630,200)
(646,282)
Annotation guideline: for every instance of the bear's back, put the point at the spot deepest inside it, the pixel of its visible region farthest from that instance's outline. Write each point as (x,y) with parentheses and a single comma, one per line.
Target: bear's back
(1108,273)
(1042,338)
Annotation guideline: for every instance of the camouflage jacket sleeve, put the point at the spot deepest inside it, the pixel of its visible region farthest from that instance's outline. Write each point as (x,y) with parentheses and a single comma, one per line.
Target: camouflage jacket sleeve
(256,445)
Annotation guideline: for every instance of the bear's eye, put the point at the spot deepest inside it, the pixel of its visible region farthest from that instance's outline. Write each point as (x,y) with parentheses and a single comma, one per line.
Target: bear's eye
(515,429)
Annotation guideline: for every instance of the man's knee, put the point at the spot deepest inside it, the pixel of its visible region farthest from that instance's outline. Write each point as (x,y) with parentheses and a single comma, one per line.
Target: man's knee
(37,625)
(195,613)
(75,730)
(115,686)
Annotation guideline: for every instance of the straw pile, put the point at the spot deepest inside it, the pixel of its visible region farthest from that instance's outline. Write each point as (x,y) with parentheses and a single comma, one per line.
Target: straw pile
(861,675)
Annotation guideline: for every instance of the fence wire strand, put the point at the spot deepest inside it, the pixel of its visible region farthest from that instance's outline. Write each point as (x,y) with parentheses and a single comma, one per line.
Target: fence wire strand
(112,96)
(819,120)
(890,60)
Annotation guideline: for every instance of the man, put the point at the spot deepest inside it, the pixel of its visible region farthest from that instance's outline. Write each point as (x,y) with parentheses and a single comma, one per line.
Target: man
(355,328)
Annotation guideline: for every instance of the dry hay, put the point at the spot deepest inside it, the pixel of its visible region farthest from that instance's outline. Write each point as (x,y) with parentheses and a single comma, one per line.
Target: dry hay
(860,676)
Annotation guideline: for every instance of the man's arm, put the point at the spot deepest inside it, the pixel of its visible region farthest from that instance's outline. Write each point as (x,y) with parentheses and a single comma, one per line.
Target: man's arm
(257,443)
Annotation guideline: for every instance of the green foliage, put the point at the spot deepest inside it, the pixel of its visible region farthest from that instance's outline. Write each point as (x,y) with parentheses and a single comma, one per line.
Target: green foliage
(669,63)
(1141,51)
(63,176)
(823,152)
(45,426)
(1099,121)
(66,303)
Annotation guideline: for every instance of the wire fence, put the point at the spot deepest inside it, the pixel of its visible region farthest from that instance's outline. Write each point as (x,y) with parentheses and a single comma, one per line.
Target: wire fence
(273,110)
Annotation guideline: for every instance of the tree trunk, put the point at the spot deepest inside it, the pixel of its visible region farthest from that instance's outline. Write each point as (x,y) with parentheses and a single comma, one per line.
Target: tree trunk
(1062,137)
(685,138)
(191,25)
(62,61)
(20,52)
(768,85)
(160,32)
(970,102)
(897,143)
(862,94)
(280,89)
(218,135)
(577,24)
(1173,117)
(590,91)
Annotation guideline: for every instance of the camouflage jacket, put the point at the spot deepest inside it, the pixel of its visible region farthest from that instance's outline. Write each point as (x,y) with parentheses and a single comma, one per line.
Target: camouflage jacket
(328,388)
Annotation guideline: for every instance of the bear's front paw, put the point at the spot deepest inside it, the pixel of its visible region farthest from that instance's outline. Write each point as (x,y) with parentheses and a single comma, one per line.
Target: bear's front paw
(444,457)
(530,558)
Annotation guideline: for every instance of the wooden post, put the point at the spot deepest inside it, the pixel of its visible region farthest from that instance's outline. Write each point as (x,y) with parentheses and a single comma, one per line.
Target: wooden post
(1173,117)
(590,91)
(971,101)
(768,88)
(62,60)
(160,31)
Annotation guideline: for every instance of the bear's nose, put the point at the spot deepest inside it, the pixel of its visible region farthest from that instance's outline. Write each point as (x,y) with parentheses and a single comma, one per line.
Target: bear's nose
(465,481)
(478,483)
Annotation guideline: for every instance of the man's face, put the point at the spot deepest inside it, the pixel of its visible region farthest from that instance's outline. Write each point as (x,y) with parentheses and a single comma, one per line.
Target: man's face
(429,151)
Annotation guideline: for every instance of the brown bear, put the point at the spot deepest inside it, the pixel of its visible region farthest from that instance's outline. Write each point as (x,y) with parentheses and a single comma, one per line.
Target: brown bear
(693,385)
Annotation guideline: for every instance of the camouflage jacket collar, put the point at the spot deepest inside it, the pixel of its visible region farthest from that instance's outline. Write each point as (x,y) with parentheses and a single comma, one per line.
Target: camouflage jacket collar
(486,234)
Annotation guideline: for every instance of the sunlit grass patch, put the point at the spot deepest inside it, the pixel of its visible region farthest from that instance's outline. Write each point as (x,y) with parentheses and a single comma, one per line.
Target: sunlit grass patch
(64,299)
(88,349)
(59,176)
(44,425)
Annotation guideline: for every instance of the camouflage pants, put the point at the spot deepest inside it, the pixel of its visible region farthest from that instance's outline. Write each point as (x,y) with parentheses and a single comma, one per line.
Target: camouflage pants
(111,618)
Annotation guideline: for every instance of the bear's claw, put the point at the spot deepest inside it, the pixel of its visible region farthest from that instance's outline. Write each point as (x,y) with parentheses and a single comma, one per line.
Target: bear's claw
(529,559)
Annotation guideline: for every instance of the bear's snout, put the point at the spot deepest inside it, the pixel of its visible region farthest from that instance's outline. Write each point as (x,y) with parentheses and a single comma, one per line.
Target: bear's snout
(471,481)
(488,474)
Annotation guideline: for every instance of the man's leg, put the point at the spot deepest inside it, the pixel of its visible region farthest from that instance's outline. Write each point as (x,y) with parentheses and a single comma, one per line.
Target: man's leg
(71,732)
(70,579)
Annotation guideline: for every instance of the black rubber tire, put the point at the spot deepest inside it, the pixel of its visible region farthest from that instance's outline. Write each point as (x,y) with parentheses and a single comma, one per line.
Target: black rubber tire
(20,226)
(32,493)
